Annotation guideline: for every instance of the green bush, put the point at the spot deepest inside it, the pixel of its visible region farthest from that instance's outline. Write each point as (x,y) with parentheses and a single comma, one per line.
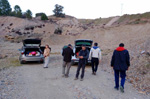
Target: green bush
(44,17)
(58,31)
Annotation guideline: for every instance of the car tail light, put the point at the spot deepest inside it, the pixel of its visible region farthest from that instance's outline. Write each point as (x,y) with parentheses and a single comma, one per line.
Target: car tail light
(22,53)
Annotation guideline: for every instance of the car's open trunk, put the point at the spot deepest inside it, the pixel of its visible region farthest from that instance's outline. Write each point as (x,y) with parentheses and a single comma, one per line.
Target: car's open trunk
(32,52)
(79,43)
(77,50)
(32,42)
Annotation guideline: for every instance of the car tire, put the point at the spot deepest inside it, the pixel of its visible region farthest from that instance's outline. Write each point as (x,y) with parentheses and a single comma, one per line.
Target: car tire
(41,62)
(21,62)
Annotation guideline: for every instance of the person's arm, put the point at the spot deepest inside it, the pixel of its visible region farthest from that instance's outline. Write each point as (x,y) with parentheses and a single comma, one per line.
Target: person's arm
(72,53)
(80,55)
(100,55)
(87,55)
(128,59)
(113,60)
(63,52)
(90,55)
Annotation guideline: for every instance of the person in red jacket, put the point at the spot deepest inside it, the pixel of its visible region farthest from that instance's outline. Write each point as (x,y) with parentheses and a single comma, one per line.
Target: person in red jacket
(120,63)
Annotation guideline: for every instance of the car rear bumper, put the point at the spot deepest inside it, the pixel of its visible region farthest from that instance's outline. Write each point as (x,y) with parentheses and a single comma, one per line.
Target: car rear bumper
(77,61)
(30,59)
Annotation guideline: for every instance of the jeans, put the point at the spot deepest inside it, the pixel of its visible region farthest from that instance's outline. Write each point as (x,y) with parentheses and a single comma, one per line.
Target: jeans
(122,75)
(68,64)
(81,64)
(46,61)
(94,63)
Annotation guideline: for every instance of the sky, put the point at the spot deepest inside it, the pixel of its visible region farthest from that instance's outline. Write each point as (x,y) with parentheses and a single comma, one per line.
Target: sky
(87,9)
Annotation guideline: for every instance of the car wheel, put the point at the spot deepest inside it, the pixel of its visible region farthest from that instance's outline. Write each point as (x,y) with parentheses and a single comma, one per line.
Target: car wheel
(41,62)
(72,63)
(21,62)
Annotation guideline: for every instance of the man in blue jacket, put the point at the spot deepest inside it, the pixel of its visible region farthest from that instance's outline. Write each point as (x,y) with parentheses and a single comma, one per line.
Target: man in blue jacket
(120,63)
(83,56)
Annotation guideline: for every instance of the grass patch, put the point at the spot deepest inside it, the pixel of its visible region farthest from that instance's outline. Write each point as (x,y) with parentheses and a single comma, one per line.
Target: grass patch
(15,62)
(95,21)
(135,18)
(9,62)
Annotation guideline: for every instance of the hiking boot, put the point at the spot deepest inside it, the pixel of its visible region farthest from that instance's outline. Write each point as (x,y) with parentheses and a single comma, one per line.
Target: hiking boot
(66,76)
(121,89)
(116,88)
(81,79)
(63,75)
(76,78)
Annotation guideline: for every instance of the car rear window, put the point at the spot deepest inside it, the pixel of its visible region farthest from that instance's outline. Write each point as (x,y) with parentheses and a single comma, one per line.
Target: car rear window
(83,43)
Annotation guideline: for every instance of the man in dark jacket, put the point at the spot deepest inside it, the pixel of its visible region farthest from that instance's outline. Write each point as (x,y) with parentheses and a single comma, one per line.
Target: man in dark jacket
(83,56)
(67,54)
(120,63)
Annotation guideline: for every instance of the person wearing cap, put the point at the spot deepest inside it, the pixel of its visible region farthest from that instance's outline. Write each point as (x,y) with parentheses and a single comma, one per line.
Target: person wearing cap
(120,63)
(95,57)
(67,55)
(83,56)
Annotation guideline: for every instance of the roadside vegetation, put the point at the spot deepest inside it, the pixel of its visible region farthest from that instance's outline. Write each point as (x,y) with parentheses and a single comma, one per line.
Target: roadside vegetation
(9,62)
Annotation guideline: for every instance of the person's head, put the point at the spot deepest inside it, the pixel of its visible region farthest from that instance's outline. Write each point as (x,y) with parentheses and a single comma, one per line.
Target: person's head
(95,44)
(46,46)
(121,45)
(69,45)
(83,47)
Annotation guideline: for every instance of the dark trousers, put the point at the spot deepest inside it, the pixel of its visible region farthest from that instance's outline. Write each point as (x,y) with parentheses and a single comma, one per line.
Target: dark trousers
(81,64)
(122,75)
(94,63)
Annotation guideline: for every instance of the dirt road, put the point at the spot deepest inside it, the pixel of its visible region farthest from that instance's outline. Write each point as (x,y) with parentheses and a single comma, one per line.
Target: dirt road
(40,83)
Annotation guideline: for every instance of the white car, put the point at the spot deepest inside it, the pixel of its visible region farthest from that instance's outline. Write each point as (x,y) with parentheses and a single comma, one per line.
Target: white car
(31,51)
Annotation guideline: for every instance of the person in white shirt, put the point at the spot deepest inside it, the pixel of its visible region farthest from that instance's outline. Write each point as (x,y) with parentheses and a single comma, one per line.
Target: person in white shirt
(95,57)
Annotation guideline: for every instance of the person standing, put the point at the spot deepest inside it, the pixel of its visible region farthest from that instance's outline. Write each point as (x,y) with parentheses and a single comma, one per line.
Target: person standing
(67,55)
(120,63)
(95,57)
(83,56)
(46,55)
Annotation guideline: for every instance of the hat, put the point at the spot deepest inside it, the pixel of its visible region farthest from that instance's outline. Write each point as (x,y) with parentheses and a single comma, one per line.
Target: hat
(69,45)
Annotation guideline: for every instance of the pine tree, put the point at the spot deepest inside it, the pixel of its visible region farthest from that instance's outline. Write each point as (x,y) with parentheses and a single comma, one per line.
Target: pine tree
(18,11)
(58,11)
(5,8)
(28,14)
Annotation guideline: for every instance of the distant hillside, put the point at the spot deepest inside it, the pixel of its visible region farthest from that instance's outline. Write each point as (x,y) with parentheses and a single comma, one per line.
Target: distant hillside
(16,29)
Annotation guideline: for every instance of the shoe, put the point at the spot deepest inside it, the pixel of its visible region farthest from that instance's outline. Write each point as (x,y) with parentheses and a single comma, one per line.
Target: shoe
(121,89)
(63,75)
(76,78)
(45,67)
(94,73)
(66,76)
(116,88)
(81,79)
